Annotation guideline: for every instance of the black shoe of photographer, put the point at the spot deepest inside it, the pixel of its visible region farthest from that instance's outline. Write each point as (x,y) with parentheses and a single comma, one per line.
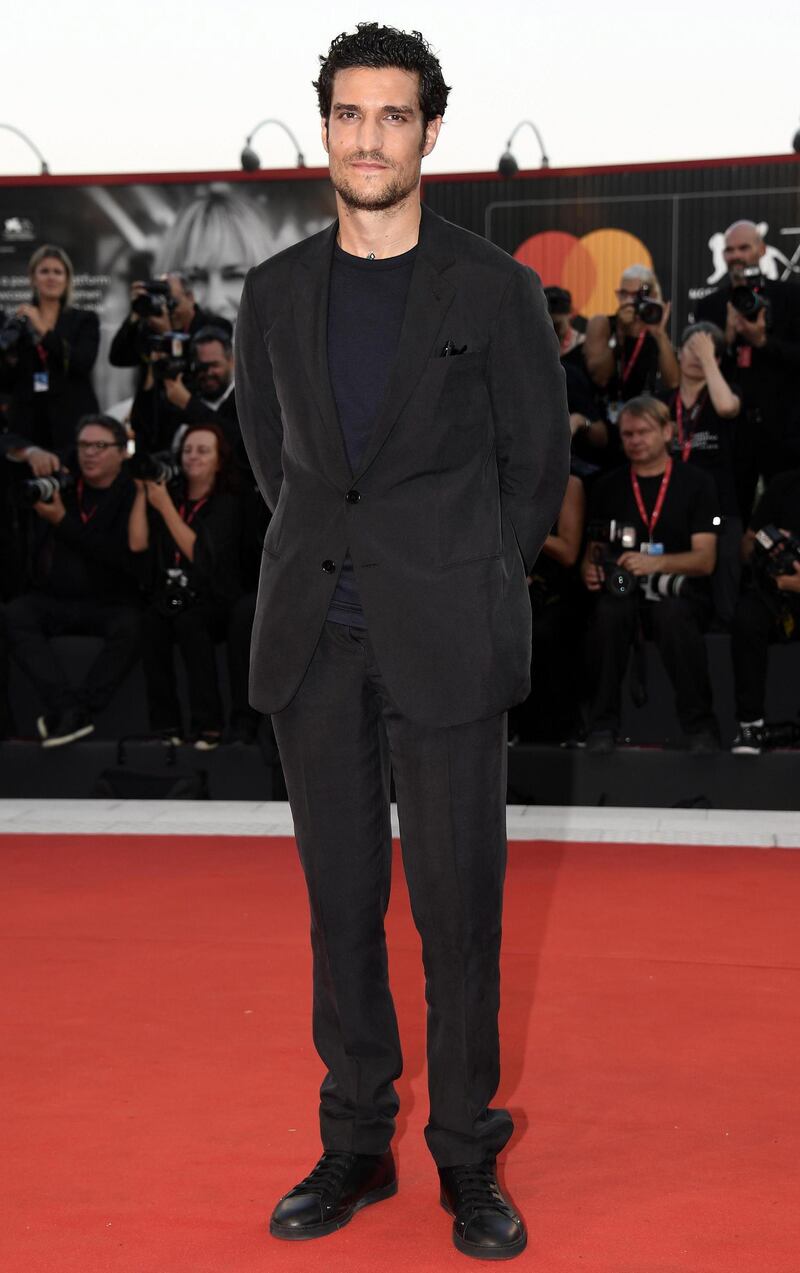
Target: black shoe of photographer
(485,1225)
(601,741)
(59,728)
(338,1186)
(748,738)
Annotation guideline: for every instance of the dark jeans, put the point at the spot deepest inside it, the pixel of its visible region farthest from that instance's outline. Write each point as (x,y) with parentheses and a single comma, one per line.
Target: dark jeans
(551,712)
(728,572)
(755,627)
(195,631)
(676,625)
(337,739)
(33,619)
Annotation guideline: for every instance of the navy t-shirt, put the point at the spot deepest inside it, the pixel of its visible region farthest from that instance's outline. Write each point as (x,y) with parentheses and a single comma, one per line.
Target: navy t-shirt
(366,307)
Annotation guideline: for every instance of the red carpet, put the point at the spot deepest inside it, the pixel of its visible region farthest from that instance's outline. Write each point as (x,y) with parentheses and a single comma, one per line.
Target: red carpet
(159,1082)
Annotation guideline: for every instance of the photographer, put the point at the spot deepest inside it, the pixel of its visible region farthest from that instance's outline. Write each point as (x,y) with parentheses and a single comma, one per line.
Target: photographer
(761,321)
(769,611)
(629,353)
(703,409)
(85,582)
(586,414)
(190,532)
(658,519)
(204,385)
(47,351)
(162,321)
(550,712)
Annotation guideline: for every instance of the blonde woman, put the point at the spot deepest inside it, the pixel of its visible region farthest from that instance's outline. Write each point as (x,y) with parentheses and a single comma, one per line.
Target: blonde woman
(50,349)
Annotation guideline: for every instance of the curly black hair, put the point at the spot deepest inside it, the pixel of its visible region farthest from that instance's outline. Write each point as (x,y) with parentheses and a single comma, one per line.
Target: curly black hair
(372,45)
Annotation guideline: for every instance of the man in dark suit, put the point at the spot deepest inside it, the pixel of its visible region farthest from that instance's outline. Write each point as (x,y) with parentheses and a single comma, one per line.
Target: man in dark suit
(404,410)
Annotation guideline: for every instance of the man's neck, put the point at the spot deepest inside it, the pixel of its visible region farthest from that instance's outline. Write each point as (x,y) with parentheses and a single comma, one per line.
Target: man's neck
(690,388)
(101,483)
(650,468)
(380,234)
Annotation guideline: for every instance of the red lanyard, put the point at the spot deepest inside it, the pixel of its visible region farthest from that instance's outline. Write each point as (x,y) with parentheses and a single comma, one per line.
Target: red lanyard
(650,522)
(85,516)
(625,368)
(189,518)
(686,444)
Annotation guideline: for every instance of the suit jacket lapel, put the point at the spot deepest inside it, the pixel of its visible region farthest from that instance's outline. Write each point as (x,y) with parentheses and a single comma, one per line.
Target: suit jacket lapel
(310,287)
(430,296)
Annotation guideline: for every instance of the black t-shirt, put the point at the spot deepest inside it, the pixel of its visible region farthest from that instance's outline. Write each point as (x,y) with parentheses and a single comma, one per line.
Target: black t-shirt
(214,572)
(690,505)
(366,307)
(635,366)
(712,442)
(86,555)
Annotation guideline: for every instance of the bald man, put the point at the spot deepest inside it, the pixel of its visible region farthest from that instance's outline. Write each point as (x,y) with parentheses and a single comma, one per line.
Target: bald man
(763,360)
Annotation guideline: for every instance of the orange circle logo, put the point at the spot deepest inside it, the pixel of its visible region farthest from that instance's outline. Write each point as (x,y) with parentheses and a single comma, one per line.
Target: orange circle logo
(589,268)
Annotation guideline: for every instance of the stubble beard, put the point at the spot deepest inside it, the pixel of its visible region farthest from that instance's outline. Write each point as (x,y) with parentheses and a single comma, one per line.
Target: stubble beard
(389,196)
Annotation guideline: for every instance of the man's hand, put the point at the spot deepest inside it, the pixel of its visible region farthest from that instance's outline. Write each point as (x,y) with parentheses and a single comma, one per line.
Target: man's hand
(701,345)
(639,564)
(41,463)
(53,511)
(158,496)
(789,583)
(755,333)
(176,392)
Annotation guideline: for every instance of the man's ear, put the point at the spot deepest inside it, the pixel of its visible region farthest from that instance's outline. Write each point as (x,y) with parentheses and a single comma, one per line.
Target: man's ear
(432,129)
(324,133)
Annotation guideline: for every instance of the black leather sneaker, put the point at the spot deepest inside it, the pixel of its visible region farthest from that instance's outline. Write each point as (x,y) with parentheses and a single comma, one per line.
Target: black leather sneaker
(485,1224)
(328,1198)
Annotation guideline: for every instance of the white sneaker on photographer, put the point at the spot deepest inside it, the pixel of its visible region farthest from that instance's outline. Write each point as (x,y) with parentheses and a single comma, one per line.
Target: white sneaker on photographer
(748,738)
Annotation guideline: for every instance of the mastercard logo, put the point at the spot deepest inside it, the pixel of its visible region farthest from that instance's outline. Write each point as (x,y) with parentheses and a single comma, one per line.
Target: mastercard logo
(589,268)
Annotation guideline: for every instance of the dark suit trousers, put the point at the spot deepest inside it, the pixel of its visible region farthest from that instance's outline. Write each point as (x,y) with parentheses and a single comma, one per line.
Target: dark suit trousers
(338,739)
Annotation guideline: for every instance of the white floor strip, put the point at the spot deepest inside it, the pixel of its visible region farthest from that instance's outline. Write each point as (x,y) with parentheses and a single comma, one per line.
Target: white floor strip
(525,822)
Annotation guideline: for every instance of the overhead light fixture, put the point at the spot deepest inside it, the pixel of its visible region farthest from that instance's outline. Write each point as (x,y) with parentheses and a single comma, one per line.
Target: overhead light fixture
(508,166)
(250,160)
(37,152)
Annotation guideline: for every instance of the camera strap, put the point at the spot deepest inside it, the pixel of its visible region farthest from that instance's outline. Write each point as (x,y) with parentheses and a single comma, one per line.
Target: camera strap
(85,514)
(625,368)
(188,518)
(685,442)
(651,521)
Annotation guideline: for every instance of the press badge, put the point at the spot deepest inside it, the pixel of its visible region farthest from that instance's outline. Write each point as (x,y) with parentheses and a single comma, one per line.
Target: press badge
(41,381)
(652,550)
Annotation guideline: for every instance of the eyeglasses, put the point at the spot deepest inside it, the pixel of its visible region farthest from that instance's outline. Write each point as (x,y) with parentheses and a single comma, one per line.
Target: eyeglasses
(88,447)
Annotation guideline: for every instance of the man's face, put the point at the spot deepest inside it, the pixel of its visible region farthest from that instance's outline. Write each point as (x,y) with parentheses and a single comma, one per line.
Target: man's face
(744,247)
(376,136)
(99,456)
(214,368)
(643,440)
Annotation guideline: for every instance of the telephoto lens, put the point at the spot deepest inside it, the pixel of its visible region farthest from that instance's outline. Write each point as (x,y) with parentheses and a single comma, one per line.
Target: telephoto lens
(42,490)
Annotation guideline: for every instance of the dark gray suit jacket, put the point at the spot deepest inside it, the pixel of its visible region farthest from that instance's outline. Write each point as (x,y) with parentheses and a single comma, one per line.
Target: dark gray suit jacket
(460,483)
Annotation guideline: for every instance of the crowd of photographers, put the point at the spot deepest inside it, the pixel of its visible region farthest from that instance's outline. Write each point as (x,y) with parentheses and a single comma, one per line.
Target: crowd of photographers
(141,523)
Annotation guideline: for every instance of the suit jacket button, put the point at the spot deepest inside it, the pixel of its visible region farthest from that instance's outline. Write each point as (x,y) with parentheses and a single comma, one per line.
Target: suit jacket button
(328,566)
(353,497)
